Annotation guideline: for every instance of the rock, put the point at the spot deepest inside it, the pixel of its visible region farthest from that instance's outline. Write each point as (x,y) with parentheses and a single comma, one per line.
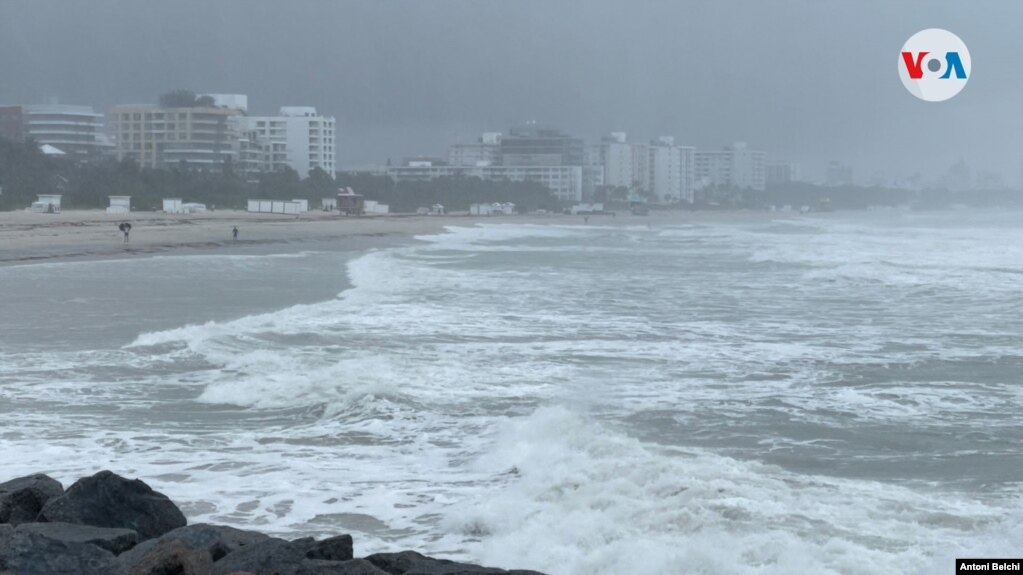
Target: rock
(412,563)
(113,540)
(171,557)
(21,499)
(338,548)
(214,540)
(351,567)
(27,553)
(109,500)
(272,557)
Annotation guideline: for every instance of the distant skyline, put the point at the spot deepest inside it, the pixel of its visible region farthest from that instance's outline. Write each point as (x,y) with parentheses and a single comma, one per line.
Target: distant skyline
(809,82)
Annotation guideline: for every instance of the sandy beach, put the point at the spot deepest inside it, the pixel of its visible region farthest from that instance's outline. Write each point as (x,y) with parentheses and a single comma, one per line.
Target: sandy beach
(27,237)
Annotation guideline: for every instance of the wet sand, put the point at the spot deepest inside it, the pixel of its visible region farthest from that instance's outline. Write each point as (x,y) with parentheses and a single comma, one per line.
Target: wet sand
(27,237)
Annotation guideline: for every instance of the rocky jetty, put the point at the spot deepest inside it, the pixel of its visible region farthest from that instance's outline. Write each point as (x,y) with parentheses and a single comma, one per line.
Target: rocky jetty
(109,525)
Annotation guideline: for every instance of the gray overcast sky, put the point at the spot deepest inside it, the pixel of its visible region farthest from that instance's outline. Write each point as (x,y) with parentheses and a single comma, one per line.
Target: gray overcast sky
(806,80)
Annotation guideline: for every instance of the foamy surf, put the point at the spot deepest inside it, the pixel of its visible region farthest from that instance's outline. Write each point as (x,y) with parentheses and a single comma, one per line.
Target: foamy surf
(710,398)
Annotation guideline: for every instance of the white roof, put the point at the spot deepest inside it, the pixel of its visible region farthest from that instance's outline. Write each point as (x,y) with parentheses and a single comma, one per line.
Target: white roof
(51,150)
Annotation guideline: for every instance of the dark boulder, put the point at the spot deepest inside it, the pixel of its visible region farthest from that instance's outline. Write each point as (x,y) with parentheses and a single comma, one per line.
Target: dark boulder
(21,499)
(170,557)
(213,540)
(272,557)
(109,500)
(27,553)
(351,567)
(337,548)
(412,563)
(114,540)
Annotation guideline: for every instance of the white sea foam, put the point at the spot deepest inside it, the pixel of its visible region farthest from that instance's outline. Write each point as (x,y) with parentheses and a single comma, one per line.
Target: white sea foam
(578,399)
(582,499)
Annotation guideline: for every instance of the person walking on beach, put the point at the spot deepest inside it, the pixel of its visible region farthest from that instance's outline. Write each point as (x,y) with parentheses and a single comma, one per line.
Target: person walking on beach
(234,232)
(125,227)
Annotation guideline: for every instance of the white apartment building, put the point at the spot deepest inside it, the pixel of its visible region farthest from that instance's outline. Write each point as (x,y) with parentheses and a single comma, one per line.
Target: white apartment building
(75,130)
(298,137)
(616,157)
(565,182)
(661,168)
(734,166)
(669,176)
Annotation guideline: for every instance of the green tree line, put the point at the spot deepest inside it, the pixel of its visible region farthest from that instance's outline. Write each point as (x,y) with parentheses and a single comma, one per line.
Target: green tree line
(26,172)
(454,193)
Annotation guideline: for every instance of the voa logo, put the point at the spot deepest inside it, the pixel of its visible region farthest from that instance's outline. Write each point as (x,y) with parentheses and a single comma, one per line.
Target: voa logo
(934,65)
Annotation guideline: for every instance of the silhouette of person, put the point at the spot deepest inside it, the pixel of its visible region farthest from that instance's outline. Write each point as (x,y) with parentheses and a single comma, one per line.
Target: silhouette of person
(125,227)
(234,232)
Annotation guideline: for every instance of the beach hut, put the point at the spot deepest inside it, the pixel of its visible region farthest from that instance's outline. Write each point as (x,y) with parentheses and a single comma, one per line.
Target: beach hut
(328,204)
(373,207)
(46,204)
(119,205)
(481,210)
(172,205)
(437,210)
(303,205)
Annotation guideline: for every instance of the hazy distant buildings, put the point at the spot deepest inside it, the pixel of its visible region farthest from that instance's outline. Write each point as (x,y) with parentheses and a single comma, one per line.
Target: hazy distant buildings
(565,182)
(532,145)
(76,131)
(211,137)
(987,180)
(660,169)
(12,124)
(484,152)
(526,153)
(616,157)
(735,166)
(198,137)
(670,171)
(298,137)
(782,172)
(959,177)
(838,174)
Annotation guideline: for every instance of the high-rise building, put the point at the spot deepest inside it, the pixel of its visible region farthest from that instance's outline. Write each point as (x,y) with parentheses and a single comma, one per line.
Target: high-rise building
(838,174)
(76,131)
(735,166)
(484,152)
(532,145)
(782,172)
(525,153)
(200,137)
(616,157)
(12,124)
(305,137)
(214,136)
(669,176)
(640,167)
(565,182)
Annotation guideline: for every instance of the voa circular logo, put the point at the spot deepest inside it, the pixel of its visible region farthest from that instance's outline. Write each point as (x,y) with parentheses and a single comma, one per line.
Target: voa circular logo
(934,65)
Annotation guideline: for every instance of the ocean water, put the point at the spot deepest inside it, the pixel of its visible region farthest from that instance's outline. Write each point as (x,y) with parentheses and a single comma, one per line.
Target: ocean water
(831,394)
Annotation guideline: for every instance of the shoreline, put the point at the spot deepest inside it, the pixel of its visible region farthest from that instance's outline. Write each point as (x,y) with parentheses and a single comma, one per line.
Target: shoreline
(75,235)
